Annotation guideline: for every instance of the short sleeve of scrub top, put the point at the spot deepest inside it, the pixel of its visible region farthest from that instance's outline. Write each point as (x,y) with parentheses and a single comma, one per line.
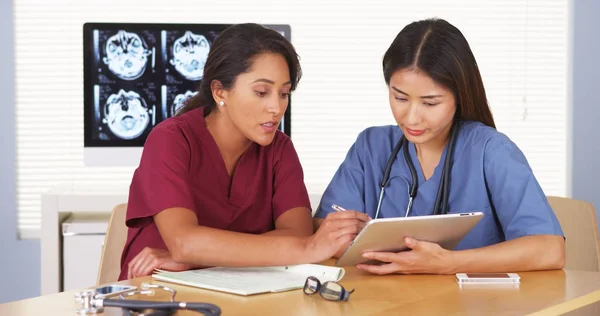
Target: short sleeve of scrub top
(520,203)
(163,178)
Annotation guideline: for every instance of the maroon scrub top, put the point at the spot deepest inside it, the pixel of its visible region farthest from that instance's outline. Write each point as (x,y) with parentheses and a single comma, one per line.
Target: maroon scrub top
(181,166)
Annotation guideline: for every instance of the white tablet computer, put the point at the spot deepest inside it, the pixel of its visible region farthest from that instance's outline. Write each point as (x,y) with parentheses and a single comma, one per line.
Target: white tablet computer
(387,234)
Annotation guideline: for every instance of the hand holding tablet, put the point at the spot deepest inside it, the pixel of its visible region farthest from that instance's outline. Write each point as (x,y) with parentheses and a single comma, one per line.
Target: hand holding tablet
(388,235)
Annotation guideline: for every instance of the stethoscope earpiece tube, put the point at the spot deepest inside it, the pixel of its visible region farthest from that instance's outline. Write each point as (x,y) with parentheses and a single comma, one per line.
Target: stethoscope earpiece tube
(413,173)
(204,308)
(440,193)
(388,167)
(447,168)
(441,200)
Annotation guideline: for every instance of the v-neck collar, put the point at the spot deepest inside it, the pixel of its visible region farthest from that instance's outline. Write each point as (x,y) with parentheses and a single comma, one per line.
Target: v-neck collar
(437,171)
(233,188)
(400,168)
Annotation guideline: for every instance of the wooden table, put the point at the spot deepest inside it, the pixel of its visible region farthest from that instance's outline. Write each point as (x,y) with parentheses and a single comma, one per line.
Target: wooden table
(541,293)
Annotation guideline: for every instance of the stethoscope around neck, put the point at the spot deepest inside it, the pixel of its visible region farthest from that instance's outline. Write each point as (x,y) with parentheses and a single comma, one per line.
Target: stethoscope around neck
(441,200)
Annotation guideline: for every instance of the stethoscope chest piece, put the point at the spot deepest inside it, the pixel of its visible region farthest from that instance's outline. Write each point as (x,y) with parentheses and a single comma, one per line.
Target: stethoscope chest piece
(85,299)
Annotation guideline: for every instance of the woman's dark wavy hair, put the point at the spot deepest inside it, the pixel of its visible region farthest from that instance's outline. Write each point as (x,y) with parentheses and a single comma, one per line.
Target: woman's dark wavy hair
(438,49)
(232,54)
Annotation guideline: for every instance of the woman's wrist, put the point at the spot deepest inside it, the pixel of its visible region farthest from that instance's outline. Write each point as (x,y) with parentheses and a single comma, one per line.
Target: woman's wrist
(453,262)
(307,252)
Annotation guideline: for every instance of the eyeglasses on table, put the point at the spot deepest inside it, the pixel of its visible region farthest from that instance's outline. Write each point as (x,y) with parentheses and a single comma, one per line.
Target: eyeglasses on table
(329,290)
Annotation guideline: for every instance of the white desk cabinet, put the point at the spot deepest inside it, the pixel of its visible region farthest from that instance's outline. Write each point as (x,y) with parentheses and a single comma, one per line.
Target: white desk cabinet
(83,240)
(57,204)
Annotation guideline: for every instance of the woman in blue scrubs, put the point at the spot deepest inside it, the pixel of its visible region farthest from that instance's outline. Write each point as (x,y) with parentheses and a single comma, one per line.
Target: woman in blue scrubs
(439,102)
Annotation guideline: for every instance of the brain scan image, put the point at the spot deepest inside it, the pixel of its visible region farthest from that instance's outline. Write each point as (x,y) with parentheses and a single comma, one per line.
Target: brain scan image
(190,52)
(179,100)
(126,114)
(126,55)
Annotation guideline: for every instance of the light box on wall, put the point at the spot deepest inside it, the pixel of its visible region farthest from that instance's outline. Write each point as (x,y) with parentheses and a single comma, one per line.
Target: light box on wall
(136,75)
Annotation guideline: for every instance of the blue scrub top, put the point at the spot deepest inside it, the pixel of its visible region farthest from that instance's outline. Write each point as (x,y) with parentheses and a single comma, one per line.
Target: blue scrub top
(483,159)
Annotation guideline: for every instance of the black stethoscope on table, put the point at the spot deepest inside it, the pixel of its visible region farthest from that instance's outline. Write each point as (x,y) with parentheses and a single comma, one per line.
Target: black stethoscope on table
(93,302)
(441,200)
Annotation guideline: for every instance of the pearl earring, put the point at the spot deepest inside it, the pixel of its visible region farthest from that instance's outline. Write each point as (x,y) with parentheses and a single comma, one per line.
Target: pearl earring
(221,103)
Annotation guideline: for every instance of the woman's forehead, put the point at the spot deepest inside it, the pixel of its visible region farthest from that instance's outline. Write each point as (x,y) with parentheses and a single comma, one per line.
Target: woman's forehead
(413,82)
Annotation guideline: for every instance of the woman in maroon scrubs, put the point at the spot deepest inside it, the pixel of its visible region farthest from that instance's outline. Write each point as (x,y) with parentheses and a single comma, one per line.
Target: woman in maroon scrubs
(219,184)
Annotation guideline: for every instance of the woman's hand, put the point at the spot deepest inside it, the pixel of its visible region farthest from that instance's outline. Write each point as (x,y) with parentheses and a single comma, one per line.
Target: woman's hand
(151,258)
(423,258)
(335,233)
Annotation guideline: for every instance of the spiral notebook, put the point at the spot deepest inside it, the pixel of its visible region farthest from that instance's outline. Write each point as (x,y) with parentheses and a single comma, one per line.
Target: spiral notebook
(250,281)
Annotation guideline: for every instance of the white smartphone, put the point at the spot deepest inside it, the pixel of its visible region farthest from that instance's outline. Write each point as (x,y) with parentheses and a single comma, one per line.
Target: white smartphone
(487,278)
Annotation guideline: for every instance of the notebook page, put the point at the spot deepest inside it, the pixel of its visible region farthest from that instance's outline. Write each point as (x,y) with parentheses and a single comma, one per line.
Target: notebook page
(247,281)
(321,272)
(244,281)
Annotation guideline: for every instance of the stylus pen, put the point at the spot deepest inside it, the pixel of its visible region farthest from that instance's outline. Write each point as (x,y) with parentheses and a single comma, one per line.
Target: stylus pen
(338,208)
(341,209)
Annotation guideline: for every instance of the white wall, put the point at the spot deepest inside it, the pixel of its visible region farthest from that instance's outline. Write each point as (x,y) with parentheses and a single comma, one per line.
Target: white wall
(19,259)
(586,103)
